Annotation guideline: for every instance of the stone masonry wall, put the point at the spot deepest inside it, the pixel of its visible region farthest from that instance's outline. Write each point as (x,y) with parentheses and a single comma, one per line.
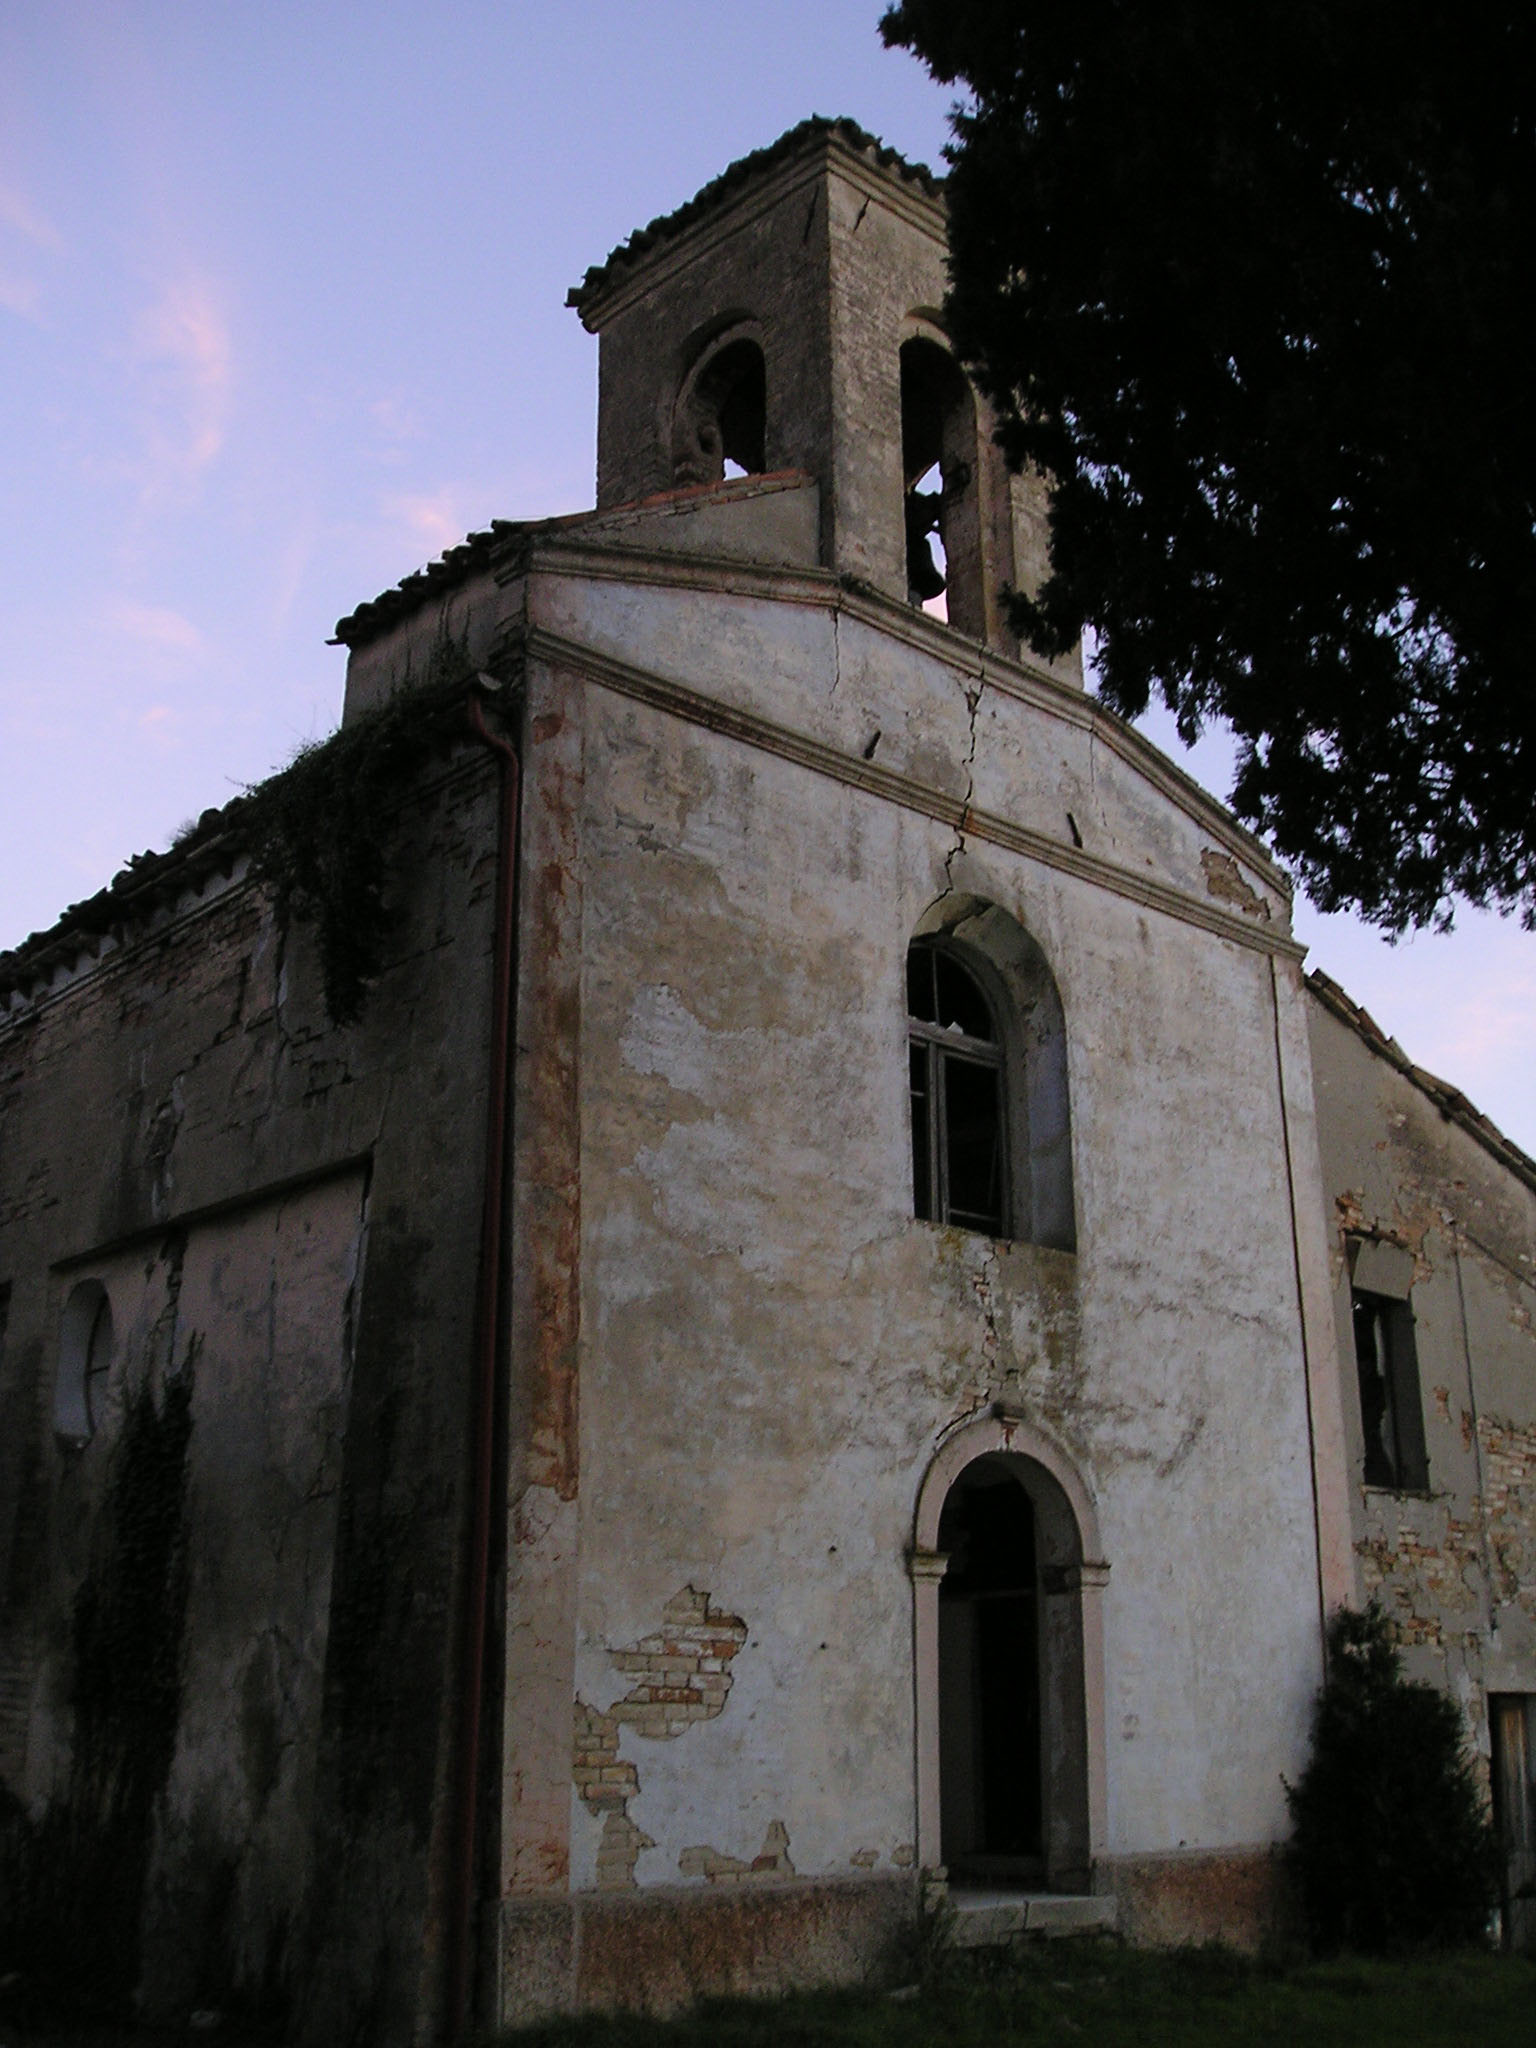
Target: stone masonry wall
(183,1125)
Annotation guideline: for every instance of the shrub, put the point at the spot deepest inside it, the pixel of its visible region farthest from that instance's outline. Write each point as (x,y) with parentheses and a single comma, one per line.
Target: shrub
(1392,1847)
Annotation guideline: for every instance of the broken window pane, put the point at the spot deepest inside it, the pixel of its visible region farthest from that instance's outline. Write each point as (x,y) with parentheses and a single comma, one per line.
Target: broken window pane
(960,1004)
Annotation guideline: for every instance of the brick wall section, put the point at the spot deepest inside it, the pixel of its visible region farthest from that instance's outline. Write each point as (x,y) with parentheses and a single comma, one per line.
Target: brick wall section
(603,1781)
(682,1675)
(772,1860)
(1509,1478)
(1427,1563)
(1454,1566)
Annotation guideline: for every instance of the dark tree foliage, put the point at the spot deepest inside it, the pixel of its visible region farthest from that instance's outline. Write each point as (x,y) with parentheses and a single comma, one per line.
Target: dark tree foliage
(1246,282)
(1391,1848)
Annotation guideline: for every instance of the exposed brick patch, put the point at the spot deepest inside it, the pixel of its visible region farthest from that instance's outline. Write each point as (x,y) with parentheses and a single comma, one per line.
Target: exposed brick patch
(619,1851)
(1509,1477)
(1225,880)
(1431,1564)
(772,1860)
(603,1780)
(682,1673)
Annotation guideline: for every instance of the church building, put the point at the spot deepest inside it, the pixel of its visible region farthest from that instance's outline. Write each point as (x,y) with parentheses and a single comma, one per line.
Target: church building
(818,1320)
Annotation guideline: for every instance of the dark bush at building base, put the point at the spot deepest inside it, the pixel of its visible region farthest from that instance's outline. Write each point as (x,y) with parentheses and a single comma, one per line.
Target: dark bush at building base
(1392,1847)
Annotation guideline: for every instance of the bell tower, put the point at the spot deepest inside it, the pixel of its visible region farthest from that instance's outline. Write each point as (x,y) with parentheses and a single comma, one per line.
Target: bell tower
(789,318)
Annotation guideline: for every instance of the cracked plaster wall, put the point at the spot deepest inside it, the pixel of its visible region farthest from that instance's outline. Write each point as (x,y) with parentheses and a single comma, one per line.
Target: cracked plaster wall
(1455,1567)
(772,1348)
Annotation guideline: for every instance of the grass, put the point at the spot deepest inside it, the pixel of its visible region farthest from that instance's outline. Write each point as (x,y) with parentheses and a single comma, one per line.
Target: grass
(1063,1994)
(1112,1997)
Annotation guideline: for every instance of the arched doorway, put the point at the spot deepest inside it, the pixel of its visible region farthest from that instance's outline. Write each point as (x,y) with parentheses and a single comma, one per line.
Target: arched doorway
(1007,1585)
(992,1802)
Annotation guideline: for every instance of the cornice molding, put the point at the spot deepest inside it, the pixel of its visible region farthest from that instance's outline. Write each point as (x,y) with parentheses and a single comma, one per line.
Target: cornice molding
(693,707)
(833,155)
(981,666)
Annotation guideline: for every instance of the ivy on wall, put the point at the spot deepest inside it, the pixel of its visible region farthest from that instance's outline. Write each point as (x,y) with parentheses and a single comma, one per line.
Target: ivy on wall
(320,831)
(72,1884)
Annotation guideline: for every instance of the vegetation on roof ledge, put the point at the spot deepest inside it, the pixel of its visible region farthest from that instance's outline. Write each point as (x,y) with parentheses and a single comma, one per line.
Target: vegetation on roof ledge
(740,173)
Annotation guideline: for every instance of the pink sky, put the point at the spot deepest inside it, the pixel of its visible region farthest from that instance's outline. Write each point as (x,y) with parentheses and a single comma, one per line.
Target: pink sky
(281,292)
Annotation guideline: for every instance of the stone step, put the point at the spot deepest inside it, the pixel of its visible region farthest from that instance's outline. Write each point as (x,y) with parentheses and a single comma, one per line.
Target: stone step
(992,1919)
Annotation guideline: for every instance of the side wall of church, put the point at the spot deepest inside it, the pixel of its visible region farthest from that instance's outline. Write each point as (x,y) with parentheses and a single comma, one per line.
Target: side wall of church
(1451,1556)
(231,1532)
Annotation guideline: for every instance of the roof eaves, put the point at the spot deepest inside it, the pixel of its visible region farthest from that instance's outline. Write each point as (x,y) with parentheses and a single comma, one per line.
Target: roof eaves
(1450,1102)
(478,551)
(455,565)
(212,848)
(734,178)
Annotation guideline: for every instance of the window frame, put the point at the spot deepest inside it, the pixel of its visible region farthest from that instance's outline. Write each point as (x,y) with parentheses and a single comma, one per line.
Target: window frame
(938,1047)
(1396,1458)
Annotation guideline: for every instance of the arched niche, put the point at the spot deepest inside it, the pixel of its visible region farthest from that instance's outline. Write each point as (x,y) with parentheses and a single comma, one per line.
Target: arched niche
(85,1355)
(720,413)
(1064,1656)
(1007,962)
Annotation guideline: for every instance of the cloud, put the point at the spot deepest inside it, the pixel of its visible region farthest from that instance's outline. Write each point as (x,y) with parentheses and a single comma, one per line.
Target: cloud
(18,212)
(23,295)
(432,521)
(20,292)
(394,418)
(183,342)
(156,626)
(1491,1023)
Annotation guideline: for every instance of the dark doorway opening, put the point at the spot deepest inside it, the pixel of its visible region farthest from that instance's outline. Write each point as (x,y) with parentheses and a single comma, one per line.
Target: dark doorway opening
(1512,1724)
(992,1804)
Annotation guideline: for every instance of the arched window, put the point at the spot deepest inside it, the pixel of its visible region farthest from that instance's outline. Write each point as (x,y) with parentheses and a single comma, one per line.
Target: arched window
(987,1052)
(85,1353)
(720,421)
(959,1112)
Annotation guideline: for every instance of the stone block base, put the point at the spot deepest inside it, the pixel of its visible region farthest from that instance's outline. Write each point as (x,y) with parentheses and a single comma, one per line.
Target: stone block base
(1196,1895)
(997,1919)
(658,1949)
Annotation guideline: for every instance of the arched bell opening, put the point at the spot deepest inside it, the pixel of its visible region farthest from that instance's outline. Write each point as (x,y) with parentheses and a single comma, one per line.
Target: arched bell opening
(1007,1586)
(939,458)
(719,423)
